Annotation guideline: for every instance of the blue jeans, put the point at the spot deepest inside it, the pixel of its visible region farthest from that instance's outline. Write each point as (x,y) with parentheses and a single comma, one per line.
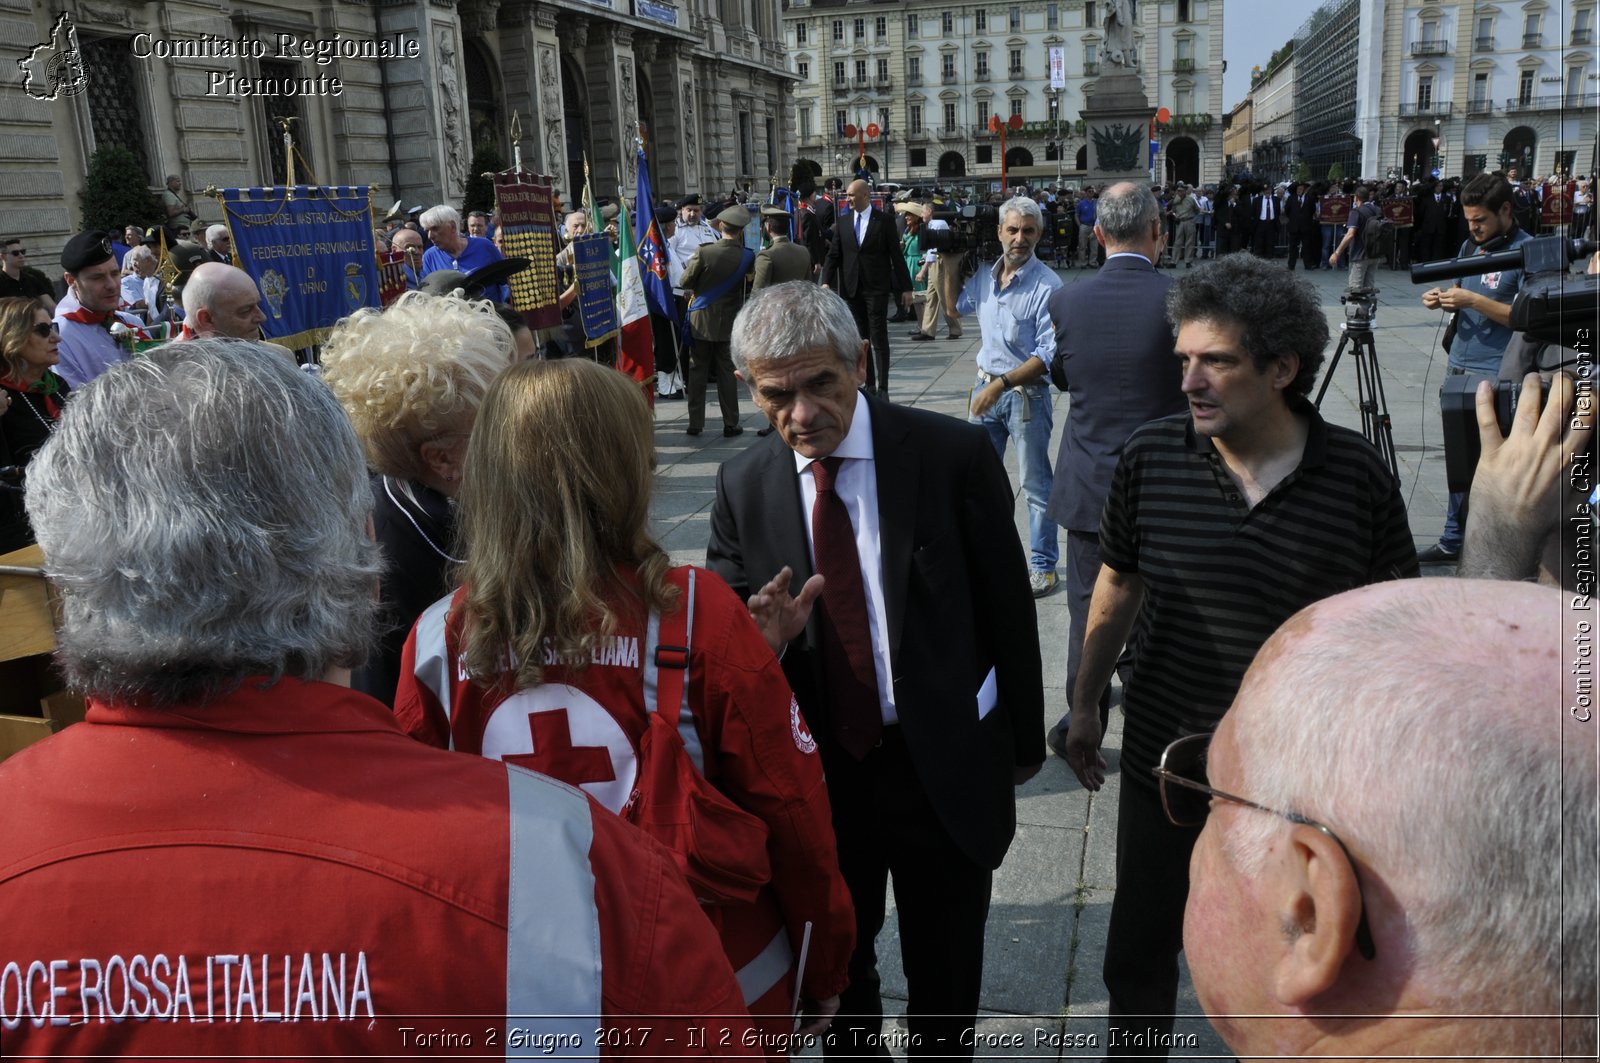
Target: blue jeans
(1005,419)
(1451,538)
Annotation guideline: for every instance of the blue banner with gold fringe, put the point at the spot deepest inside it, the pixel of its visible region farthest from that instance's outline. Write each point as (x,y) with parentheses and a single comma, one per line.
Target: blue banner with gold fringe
(309,250)
(597,309)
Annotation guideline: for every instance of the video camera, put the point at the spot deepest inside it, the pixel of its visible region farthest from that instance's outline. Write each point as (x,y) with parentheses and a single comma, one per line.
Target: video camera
(1553,306)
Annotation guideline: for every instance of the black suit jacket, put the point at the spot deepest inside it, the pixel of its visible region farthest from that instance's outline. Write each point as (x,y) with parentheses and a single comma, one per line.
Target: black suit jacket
(872,266)
(955,584)
(1114,356)
(1300,213)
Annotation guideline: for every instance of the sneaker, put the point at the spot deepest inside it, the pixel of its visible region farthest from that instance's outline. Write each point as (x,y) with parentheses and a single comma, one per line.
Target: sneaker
(1438,555)
(1057,738)
(1042,583)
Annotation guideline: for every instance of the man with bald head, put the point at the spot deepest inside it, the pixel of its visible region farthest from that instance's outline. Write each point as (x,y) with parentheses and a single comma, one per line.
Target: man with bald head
(222,300)
(866,265)
(1401,833)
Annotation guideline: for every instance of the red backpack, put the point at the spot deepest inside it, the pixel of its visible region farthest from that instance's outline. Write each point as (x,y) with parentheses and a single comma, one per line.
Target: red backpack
(720,848)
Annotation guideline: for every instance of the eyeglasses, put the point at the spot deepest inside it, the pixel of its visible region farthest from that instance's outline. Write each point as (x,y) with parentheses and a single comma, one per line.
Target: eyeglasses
(1186,798)
(44,330)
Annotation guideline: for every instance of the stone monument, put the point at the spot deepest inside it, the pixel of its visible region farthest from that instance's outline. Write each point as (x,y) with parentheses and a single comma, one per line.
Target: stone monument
(1116,117)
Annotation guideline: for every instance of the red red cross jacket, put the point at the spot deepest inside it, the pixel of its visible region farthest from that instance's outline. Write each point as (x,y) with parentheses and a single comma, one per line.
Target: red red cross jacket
(283,873)
(583,726)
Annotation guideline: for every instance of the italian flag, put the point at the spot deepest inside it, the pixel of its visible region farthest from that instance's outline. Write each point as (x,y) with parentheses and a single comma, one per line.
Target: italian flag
(635,343)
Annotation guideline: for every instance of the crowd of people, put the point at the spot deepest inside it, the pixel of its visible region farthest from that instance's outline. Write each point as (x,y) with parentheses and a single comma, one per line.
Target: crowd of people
(396,709)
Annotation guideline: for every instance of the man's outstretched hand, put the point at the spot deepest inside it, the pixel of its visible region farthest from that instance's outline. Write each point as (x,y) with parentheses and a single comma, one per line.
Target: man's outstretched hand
(781,616)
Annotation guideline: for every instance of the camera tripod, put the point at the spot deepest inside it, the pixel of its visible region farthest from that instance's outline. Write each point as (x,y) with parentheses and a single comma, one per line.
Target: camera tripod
(1375,424)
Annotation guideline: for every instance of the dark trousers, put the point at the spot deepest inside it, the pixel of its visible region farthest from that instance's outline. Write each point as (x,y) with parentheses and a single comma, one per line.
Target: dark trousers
(711,357)
(887,830)
(1304,247)
(1264,241)
(663,340)
(1146,932)
(1083,568)
(870,309)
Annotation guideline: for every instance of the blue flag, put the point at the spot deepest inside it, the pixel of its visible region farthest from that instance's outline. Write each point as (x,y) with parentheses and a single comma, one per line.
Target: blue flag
(310,254)
(652,249)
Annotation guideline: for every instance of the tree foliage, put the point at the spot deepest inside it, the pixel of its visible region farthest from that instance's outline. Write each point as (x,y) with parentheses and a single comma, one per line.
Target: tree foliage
(1336,172)
(116,194)
(479,194)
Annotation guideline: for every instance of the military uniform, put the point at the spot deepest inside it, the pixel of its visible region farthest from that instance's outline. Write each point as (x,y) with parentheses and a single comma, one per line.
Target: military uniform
(712,326)
(784,261)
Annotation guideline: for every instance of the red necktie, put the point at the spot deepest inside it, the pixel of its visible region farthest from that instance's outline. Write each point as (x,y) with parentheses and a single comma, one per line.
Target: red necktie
(852,679)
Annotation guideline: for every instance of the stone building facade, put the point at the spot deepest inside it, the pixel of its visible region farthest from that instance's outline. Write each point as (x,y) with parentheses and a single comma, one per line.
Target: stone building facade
(197,87)
(930,73)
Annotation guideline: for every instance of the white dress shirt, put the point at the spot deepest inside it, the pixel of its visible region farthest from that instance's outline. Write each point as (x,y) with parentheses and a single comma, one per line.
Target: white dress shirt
(857,487)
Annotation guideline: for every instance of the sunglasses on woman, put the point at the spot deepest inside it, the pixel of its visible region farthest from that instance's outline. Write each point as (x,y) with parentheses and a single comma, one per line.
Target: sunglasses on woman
(45,330)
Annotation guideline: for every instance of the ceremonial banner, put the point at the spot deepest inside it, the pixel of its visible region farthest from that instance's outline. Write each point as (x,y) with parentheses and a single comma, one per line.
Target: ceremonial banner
(528,230)
(652,250)
(1556,209)
(591,259)
(1397,209)
(391,276)
(310,253)
(636,345)
(1333,210)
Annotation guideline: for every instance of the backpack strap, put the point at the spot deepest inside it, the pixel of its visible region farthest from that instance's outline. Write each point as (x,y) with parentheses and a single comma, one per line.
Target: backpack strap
(667,645)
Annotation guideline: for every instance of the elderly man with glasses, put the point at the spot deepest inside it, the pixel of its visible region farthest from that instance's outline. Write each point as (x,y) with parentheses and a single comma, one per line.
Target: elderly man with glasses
(1399,839)
(1221,523)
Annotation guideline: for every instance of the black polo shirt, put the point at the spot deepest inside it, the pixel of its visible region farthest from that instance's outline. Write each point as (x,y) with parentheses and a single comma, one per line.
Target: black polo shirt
(1220,577)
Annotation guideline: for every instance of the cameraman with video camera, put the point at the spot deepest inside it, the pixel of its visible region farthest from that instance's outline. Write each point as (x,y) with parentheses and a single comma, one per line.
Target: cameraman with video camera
(1482,307)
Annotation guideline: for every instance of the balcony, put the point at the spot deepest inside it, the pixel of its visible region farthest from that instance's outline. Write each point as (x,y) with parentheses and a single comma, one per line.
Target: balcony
(1480,107)
(1525,104)
(1532,40)
(1183,66)
(1582,37)
(861,82)
(1091,70)
(1016,73)
(1437,108)
(914,79)
(917,135)
(950,132)
(883,83)
(981,74)
(949,77)
(981,130)
(1483,44)
(1420,48)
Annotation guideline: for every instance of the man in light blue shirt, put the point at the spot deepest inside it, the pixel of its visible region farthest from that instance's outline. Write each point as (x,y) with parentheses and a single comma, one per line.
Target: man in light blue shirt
(1012,393)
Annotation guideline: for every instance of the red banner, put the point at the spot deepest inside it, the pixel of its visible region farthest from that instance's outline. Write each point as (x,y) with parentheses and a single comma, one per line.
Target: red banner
(1397,209)
(391,276)
(1556,209)
(1333,210)
(528,230)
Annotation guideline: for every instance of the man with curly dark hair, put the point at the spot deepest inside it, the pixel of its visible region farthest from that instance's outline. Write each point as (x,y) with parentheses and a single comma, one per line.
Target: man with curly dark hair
(1222,522)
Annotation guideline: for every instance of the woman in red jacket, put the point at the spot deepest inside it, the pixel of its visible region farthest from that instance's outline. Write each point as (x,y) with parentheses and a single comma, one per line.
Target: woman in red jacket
(546,658)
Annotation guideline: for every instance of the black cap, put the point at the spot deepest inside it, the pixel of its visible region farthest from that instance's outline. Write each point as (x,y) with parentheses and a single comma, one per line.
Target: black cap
(86,250)
(152,236)
(665,215)
(692,200)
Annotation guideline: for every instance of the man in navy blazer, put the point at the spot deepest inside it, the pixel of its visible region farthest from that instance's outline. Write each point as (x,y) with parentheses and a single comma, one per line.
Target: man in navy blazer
(1114,356)
(865,264)
(954,646)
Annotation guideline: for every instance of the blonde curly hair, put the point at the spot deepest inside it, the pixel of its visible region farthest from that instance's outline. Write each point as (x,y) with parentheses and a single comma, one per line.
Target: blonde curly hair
(414,372)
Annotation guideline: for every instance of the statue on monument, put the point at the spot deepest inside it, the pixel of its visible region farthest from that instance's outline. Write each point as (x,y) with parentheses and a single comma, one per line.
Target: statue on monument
(1121,15)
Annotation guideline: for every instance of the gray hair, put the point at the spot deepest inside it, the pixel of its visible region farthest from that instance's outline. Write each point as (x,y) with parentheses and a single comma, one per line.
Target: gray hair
(215,231)
(203,512)
(1275,315)
(791,318)
(1389,725)
(440,215)
(1024,206)
(1125,215)
(136,255)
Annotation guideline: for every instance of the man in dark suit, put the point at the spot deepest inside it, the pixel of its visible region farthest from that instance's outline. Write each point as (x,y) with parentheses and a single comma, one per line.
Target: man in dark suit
(1300,220)
(1265,214)
(1114,357)
(715,277)
(918,671)
(865,264)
